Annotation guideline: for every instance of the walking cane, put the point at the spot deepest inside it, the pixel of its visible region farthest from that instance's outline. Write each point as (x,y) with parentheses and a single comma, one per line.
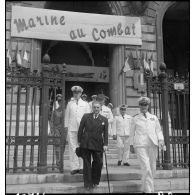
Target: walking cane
(107,171)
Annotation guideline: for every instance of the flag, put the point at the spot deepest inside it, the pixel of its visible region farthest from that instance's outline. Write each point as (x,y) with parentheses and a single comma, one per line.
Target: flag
(126,67)
(25,59)
(129,63)
(18,56)
(138,65)
(151,63)
(146,65)
(141,78)
(8,56)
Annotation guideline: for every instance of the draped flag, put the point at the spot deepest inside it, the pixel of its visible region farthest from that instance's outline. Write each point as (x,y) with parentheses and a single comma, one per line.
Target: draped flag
(138,61)
(151,63)
(25,59)
(128,64)
(146,65)
(126,67)
(18,57)
(9,58)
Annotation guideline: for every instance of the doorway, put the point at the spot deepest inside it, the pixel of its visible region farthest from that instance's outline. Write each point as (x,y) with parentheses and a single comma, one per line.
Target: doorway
(89,88)
(176,39)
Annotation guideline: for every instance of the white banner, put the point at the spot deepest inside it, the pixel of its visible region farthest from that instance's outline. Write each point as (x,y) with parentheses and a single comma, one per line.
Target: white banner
(74,26)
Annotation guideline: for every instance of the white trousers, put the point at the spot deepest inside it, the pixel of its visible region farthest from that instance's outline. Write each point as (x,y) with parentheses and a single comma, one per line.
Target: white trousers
(147,156)
(75,162)
(123,148)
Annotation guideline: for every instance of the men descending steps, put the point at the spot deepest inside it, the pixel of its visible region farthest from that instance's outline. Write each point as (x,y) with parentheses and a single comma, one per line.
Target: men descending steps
(75,110)
(121,131)
(145,136)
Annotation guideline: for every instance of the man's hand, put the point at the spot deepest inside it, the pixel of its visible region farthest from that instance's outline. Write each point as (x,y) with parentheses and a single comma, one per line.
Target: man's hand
(132,149)
(114,137)
(105,148)
(161,144)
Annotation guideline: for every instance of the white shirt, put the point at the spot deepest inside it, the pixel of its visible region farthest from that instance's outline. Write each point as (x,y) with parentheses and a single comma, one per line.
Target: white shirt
(106,112)
(121,126)
(74,112)
(143,129)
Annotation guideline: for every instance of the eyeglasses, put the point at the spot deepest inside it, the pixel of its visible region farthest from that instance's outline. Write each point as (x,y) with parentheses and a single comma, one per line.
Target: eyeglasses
(59,100)
(143,104)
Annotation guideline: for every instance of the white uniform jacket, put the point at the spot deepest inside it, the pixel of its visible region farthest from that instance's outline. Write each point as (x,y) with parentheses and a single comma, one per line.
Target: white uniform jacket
(121,126)
(106,112)
(90,105)
(143,129)
(74,113)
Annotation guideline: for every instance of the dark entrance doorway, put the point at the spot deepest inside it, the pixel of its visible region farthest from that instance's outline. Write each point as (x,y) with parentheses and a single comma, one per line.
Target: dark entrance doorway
(89,88)
(176,38)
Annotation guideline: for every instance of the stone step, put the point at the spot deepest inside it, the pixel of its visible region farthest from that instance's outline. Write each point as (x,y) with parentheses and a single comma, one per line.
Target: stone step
(66,153)
(116,173)
(115,187)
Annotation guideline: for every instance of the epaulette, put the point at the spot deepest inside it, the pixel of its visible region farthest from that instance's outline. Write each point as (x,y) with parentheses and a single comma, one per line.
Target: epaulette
(135,115)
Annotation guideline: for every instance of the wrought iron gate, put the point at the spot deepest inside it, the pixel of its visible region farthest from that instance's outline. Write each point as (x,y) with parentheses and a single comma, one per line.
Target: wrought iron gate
(29,146)
(170,102)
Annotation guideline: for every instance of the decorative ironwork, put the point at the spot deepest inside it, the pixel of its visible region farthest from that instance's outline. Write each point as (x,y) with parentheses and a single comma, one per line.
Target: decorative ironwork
(22,140)
(30,96)
(171,106)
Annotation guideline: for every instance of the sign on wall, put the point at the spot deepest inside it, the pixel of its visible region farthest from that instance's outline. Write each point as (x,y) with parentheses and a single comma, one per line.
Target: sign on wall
(87,73)
(82,73)
(74,26)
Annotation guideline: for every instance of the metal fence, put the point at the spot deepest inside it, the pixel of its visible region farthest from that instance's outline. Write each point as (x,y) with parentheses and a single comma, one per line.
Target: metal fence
(29,145)
(170,102)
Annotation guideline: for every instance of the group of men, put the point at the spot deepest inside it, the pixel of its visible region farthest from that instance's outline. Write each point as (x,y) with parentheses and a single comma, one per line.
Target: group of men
(89,125)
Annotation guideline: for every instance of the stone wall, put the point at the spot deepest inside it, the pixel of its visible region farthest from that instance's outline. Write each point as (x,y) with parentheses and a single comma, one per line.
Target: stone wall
(149,40)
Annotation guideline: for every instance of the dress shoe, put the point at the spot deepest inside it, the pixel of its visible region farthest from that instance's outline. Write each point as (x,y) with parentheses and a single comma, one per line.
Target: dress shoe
(126,164)
(73,172)
(119,162)
(81,171)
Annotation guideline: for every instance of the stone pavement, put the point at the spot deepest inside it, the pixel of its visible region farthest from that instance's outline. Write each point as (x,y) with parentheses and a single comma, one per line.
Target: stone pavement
(122,179)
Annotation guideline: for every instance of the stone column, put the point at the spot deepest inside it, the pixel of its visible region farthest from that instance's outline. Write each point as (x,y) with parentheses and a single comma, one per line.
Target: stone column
(117,85)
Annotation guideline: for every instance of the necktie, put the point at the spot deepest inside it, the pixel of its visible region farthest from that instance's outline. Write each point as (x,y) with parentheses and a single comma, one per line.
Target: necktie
(145,115)
(77,102)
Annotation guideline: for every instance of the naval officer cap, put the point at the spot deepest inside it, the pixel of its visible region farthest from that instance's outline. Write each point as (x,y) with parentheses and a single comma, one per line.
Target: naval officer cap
(144,100)
(110,105)
(94,96)
(123,107)
(77,88)
(59,96)
(84,95)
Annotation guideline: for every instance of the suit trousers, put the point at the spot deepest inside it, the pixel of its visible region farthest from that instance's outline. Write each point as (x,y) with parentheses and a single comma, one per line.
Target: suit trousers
(147,156)
(75,162)
(92,171)
(123,148)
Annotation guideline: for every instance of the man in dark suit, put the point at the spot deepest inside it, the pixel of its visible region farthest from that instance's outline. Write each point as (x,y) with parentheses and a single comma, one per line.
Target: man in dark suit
(93,140)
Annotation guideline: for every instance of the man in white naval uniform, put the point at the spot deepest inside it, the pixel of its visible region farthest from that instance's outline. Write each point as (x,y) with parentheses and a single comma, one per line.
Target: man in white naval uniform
(75,110)
(145,136)
(121,132)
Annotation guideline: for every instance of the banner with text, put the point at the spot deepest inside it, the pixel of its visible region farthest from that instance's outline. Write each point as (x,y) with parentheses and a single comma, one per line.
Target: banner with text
(75,26)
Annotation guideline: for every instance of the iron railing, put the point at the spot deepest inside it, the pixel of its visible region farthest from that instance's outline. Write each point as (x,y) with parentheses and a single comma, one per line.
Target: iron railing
(29,146)
(171,106)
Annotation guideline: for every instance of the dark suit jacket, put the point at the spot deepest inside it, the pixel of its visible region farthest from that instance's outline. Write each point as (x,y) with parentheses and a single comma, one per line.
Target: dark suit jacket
(93,133)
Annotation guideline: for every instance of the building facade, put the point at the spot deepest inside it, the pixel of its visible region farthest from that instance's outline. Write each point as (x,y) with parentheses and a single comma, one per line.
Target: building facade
(164,36)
